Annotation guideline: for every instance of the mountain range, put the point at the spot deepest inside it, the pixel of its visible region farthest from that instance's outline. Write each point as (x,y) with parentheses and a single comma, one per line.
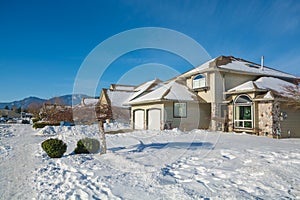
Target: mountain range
(65,100)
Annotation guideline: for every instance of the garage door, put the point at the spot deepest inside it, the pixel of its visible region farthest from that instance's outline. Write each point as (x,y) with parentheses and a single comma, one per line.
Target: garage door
(154,119)
(139,119)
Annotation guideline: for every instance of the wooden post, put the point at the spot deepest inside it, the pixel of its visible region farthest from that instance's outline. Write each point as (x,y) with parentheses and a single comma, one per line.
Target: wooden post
(102,137)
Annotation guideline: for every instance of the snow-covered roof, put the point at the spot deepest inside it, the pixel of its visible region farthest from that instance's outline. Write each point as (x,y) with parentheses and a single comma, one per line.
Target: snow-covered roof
(144,88)
(248,67)
(198,69)
(90,101)
(238,65)
(263,83)
(243,87)
(119,98)
(266,96)
(122,87)
(168,91)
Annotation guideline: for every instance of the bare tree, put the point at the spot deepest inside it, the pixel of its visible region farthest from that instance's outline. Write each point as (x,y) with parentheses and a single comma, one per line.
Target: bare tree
(103,112)
(56,113)
(292,94)
(34,108)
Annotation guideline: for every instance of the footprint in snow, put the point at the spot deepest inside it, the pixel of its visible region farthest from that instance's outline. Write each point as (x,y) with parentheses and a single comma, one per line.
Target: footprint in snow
(227,155)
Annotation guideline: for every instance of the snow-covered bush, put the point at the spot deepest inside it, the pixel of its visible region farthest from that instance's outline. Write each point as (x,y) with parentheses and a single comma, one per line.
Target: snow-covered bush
(87,145)
(55,148)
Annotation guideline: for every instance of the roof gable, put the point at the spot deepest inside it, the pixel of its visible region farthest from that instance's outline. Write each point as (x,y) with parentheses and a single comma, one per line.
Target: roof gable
(168,91)
(263,83)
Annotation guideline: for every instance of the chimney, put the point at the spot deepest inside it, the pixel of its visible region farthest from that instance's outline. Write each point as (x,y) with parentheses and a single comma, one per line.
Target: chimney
(262,64)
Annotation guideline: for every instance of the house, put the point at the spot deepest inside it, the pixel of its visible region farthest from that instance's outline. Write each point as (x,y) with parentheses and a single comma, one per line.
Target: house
(223,93)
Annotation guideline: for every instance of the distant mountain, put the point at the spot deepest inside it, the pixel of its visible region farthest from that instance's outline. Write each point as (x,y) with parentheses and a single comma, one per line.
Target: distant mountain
(65,100)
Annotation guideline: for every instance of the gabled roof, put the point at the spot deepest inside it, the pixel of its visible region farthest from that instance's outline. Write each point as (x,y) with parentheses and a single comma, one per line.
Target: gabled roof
(122,87)
(266,96)
(119,97)
(145,87)
(238,65)
(90,101)
(172,90)
(263,83)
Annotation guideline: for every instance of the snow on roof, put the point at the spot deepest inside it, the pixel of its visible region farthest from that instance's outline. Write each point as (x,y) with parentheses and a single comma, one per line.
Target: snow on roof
(268,95)
(144,88)
(119,98)
(90,101)
(197,69)
(248,67)
(245,86)
(264,83)
(238,65)
(169,91)
(122,87)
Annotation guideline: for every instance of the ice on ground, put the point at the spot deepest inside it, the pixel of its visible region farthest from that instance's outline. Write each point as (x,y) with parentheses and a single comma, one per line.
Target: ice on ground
(148,164)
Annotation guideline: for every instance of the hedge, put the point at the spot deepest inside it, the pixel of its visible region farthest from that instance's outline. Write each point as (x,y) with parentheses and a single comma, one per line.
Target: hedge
(43,124)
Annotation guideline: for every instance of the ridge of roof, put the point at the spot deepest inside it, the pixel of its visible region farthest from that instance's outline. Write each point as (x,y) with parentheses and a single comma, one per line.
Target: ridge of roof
(172,90)
(240,65)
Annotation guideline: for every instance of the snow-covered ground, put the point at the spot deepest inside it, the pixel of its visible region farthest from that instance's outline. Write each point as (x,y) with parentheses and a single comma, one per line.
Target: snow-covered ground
(149,165)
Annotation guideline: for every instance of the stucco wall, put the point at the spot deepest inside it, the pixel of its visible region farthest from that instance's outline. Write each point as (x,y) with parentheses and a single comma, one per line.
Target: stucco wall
(232,80)
(190,122)
(205,115)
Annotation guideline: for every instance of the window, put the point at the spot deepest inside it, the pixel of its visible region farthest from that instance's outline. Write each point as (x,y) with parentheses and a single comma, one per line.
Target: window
(199,81)
(243,112)
(179,109)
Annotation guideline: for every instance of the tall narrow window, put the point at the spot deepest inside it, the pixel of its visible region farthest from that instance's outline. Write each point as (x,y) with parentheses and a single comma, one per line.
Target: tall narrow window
(199,81)
(243,114)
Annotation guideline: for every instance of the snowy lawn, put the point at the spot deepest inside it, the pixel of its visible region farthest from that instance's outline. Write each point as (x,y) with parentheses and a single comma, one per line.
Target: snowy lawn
(149,165)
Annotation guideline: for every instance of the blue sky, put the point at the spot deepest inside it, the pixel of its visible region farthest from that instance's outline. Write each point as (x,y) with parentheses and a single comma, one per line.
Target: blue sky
(43,43)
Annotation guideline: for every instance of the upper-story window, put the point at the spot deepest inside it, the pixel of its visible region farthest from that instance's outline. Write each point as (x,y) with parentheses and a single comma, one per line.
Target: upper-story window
(199,81)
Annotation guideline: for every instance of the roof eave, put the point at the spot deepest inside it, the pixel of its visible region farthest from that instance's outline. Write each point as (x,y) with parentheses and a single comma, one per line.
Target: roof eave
(246,91)
(161,101)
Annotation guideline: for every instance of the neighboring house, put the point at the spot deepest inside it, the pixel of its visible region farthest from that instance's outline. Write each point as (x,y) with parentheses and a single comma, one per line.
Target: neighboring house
(85,112)
(4,113)
(223,93)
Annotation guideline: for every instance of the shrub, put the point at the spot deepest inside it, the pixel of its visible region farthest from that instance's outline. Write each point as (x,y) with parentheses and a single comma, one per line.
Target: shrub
(87,145)
(43,124)
(34,120)
(55,148)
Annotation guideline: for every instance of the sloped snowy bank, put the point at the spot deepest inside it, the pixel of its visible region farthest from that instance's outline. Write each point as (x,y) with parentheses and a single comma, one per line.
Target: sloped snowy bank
(149,165)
